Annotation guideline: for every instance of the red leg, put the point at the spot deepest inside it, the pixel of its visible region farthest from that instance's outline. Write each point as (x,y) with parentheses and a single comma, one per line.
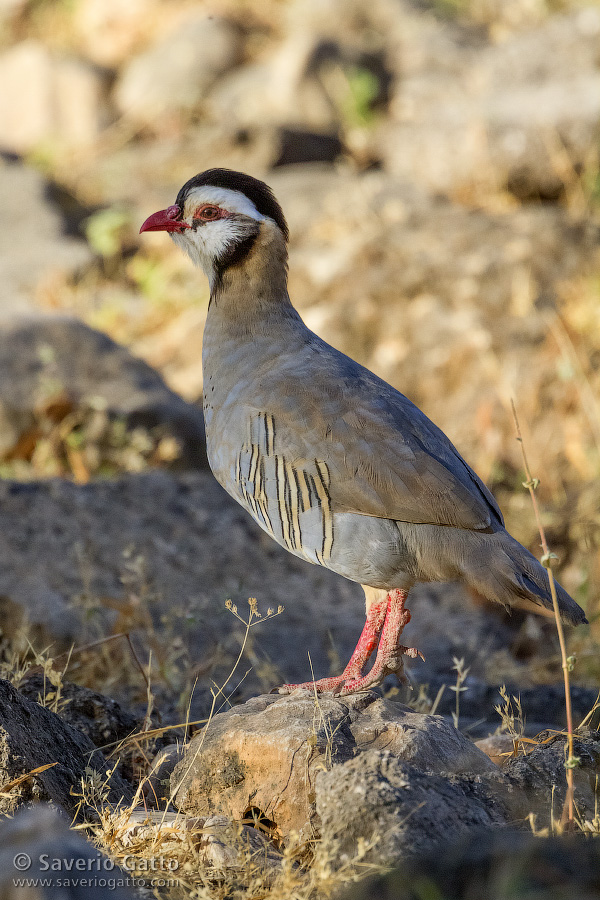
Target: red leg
(389,655)
(363,650)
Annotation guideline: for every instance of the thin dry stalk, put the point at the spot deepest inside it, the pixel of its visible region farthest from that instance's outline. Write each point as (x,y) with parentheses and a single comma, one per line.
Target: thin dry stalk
(531,484)
(459,688)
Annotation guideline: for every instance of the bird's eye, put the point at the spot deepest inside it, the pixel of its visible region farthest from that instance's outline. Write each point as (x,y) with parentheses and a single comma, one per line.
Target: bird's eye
(208,213)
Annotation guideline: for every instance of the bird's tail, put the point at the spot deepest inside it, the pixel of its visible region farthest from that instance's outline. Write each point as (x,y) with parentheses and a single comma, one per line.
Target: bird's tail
(508,570)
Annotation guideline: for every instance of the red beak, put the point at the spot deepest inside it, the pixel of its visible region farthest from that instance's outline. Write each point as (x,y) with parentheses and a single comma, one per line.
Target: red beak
(165,220)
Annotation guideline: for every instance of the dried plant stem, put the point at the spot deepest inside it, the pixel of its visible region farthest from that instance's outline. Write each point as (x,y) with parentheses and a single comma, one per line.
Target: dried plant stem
(547,557)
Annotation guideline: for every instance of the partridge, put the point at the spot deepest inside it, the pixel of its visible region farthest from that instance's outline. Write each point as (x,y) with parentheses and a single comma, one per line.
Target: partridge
(335,464)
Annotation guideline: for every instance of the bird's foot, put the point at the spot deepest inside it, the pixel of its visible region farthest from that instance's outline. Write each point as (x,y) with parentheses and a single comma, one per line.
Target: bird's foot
(323,685)
(385,623)
(367,642)
(353,680)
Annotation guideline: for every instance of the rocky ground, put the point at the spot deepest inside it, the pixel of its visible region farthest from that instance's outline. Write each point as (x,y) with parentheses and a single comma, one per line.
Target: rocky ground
(438,163)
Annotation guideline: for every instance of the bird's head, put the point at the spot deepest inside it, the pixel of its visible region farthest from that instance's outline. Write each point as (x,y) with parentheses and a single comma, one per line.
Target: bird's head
(217,217)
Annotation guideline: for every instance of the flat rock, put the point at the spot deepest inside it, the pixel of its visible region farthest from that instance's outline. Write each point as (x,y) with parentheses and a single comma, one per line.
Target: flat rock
(215,841)
(265,755)
(32,736)
(42,358)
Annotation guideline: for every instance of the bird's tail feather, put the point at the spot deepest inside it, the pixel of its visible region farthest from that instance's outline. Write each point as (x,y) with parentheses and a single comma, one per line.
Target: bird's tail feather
(510,570)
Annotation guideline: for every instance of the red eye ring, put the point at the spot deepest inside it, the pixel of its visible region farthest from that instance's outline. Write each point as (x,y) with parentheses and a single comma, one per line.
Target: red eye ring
(209,213)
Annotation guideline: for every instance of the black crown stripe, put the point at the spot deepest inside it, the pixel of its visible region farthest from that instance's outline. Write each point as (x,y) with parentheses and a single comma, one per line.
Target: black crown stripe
(257,191)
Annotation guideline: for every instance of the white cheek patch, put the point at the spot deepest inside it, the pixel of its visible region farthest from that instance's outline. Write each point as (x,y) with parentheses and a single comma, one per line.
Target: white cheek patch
(232,201)
(209,242)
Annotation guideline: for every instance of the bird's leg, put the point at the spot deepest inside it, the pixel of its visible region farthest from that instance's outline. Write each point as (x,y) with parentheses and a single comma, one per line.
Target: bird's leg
(376,615)
(390,653)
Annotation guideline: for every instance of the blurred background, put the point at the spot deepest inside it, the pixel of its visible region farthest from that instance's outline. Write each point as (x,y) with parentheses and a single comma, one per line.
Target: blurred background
(438,163)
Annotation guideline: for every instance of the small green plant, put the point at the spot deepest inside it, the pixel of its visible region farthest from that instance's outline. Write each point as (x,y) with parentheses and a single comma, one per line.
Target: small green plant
(106,229)
(352,90)
(362,91)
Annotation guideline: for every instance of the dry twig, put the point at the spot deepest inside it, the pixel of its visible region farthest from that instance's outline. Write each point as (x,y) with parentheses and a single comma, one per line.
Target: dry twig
(531,484)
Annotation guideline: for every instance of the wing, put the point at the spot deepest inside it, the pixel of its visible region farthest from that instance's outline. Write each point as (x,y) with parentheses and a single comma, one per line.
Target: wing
(381,455)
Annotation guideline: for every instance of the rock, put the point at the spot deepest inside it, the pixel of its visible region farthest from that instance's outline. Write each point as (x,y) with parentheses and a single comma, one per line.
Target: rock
(225,845)
(499,863)
(99,718)
(264,756)
(540,104)
(38,844)
(377,809)
(541,775)
(10,9)
(36,244)
(58,359)
(31,736)
(306,83)
(187,62)
(48,98)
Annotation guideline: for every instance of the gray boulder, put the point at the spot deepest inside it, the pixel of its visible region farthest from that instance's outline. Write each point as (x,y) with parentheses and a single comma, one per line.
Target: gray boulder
(523,113)
(31,736)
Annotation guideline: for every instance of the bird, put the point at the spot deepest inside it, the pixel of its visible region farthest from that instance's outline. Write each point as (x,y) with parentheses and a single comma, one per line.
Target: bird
(338,466)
